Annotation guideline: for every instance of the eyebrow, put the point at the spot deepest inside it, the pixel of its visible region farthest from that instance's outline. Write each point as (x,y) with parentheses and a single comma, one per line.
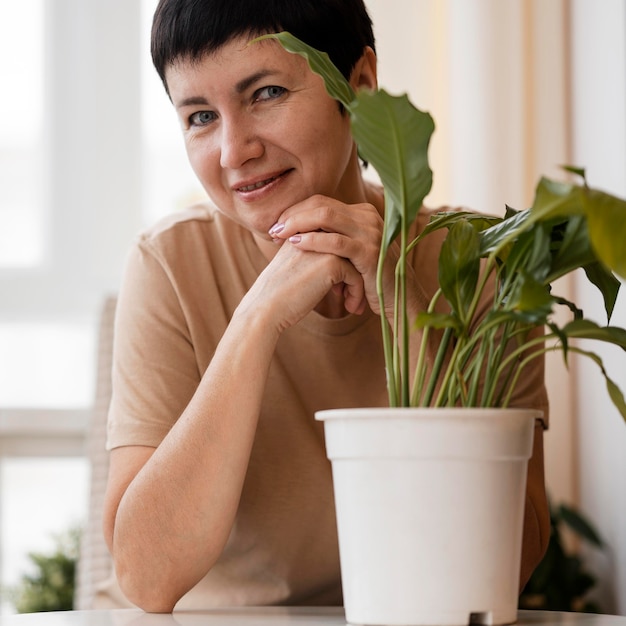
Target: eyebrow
(240,87)
(244,84)
(193,100)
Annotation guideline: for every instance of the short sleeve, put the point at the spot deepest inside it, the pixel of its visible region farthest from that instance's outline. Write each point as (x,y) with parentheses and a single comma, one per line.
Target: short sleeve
(155,372)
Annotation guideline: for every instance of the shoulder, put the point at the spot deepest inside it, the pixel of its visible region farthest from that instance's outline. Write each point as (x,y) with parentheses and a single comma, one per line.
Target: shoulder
(196,221)
(198,231)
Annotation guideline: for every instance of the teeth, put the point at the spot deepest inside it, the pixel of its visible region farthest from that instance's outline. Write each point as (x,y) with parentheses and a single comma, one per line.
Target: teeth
(257,185)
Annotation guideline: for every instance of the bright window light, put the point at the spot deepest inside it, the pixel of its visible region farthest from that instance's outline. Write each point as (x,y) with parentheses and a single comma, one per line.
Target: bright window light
(21,115)
(43,365)
(169,181)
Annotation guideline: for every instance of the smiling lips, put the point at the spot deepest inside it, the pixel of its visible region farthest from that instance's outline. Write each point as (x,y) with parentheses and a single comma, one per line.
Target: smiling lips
(259,184)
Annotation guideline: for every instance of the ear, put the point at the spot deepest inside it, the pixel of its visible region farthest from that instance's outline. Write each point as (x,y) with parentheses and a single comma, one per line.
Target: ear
(365,73)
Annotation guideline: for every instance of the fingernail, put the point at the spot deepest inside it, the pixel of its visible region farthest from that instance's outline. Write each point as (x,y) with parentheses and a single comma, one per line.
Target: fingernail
(295,238)
(276,229)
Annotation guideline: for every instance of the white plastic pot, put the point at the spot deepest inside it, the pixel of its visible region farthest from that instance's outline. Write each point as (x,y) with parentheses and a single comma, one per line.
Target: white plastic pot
(430,509)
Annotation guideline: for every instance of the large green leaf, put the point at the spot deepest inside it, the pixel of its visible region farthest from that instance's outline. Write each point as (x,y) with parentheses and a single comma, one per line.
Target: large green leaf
(554,199)
(606,219)
(393,136)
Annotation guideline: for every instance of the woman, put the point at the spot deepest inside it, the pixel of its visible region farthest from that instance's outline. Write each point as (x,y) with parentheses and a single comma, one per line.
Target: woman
(236,323)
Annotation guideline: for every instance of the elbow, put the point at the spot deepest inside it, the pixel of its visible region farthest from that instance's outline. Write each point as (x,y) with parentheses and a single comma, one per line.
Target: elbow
(144,591)
(151,592)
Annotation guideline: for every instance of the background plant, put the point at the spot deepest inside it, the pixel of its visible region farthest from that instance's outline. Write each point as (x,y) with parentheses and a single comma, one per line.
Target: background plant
(569,227)
(562,582)
(51,585)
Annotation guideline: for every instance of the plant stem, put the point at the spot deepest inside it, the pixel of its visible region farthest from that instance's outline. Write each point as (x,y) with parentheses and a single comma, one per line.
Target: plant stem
(405,357)
(436,370)
(421,365)
(385,325)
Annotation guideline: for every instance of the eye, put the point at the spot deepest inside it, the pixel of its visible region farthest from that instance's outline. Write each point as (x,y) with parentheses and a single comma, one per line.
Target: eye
(269,93)
(201,118)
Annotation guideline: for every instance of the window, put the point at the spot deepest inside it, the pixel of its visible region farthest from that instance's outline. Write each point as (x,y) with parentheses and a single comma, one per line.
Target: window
(90,153)
(169,182)
(70,203)
(21,131)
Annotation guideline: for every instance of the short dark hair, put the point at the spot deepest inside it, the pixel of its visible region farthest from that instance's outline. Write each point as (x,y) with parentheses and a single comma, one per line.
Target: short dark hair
(189,29)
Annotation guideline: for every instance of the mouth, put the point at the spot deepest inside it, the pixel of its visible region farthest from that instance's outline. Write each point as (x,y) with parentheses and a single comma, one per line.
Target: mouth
(249,187)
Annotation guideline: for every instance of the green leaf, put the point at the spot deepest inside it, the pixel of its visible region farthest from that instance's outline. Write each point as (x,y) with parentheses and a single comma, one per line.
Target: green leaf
(573,169)
(336,84)
(606,282)
(614,391)
(571,247)
(530,253)
(578,314)
(445,219)
(499,236)
(459,267)
(533,301)
(606,219)
(554,199)
(586,329)
(393,136)
(438,321)
(562,337)
(580,525)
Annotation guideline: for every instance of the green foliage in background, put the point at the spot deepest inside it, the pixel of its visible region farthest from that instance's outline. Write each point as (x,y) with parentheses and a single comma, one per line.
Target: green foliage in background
(51,586)
(561,581)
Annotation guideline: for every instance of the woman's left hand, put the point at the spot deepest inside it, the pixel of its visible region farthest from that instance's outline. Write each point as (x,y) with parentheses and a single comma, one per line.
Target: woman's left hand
(354,232)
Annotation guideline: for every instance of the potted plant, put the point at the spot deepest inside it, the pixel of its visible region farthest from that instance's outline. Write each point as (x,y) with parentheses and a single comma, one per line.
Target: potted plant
(430,492)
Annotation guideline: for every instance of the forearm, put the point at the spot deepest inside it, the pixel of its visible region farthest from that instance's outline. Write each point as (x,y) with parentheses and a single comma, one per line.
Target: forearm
(175,516)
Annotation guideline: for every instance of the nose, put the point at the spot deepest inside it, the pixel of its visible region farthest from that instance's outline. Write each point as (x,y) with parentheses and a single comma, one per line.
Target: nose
(239,142)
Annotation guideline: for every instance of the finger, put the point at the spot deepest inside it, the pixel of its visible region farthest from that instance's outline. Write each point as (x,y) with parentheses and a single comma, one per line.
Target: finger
(362,253)
(322,214)
(353,289)
(326,243)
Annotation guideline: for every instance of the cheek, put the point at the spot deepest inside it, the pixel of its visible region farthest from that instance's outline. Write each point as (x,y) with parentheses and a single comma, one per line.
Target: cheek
(201,158)
(325,140)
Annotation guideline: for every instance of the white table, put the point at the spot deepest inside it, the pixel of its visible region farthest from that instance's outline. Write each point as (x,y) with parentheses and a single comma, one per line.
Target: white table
(265,616)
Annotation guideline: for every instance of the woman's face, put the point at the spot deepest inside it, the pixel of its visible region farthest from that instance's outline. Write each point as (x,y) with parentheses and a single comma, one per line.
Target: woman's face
(261,132)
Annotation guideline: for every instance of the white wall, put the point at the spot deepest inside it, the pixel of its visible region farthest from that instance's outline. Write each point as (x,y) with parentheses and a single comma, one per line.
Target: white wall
(599,124)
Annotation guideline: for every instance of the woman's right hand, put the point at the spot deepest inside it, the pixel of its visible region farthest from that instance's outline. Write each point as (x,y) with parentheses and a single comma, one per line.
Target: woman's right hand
(297,280)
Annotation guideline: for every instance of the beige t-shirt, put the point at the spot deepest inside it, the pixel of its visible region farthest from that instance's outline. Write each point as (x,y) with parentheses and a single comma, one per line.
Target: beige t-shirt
(184,278)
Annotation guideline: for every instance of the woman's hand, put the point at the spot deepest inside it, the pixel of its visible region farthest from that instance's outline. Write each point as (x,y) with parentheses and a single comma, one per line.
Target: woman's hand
(352,232)
(295,282)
